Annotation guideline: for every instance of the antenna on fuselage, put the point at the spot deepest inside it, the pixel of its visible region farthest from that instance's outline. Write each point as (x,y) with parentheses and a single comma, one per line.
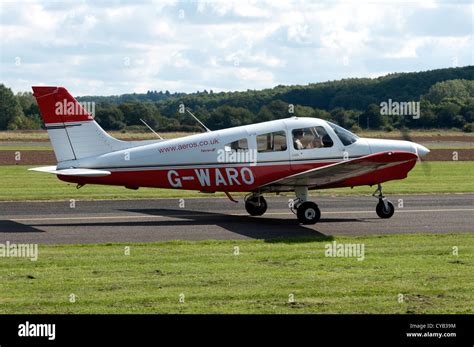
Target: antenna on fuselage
(197,120)
(153,131)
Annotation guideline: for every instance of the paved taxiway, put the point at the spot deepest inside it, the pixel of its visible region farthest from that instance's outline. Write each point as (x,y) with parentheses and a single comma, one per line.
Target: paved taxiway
(218,218)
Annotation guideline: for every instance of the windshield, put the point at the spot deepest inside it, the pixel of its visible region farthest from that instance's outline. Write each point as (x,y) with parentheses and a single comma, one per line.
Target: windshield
(347,138)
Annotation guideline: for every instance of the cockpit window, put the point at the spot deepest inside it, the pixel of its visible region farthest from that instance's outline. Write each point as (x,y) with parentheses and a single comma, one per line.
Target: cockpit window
(347,138)
(237,146)
(271,142)
(310,138)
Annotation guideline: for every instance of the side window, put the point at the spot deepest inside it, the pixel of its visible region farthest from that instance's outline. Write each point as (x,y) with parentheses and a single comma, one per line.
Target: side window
(310,138)
(237,146)
(272,142)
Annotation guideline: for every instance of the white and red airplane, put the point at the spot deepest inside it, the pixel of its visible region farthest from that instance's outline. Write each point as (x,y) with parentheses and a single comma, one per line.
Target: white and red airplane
(293,154)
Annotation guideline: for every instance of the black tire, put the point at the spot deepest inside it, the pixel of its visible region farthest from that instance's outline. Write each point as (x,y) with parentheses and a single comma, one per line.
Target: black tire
(308,213)
(256,206)
(383,212)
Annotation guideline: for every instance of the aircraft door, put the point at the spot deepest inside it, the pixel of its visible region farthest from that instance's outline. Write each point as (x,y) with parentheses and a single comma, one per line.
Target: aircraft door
(311,146)
(272,150)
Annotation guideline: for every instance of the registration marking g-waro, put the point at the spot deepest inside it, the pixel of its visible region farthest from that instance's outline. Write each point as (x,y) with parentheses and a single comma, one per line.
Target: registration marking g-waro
(228,176)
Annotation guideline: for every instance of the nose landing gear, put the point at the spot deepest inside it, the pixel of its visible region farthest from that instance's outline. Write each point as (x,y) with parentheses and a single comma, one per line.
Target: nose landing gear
(384,208)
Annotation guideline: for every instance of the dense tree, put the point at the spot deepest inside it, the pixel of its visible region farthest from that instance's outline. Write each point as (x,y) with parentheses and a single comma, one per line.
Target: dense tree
(276,109)
(446,99)
(10,109)
(372,118)
(448,115)
(110,117)
(134,111)
(341,117)
(467,110)
(228,116)
(304,111)
(459,89)
(23,122)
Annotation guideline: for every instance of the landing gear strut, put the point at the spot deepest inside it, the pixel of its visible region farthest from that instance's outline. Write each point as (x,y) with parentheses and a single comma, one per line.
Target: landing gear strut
(306,211)
(384,208)
(255,204)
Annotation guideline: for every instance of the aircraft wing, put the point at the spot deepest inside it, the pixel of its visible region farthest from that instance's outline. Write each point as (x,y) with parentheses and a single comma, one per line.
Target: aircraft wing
(338,172)
(72,172)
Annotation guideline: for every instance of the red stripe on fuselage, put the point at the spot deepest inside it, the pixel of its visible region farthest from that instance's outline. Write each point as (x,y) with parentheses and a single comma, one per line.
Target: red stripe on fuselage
(206,179)
(230,179)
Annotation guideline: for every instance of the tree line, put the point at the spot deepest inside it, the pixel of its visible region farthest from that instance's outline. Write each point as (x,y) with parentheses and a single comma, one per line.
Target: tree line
(445,96)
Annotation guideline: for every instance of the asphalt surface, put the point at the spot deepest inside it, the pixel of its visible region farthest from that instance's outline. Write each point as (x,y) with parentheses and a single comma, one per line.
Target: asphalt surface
(218,218)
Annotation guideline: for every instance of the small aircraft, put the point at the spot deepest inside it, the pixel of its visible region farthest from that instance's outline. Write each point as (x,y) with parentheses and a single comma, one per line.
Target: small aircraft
(285,155)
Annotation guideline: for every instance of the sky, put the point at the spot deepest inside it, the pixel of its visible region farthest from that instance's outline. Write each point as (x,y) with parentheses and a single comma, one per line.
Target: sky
(109,47)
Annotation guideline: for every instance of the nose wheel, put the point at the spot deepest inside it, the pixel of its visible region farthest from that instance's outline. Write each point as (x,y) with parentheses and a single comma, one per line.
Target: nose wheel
(384,208)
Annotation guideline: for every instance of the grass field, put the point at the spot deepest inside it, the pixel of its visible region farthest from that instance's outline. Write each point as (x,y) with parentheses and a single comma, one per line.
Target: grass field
(25,148)
(18,183)
(42,135)
(260,279)
(435,133)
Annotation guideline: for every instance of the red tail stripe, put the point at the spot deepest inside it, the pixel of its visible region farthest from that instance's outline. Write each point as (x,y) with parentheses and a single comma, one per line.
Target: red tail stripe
(58,106)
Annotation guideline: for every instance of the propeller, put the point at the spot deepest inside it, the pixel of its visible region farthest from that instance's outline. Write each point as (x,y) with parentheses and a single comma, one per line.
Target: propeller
(426,167)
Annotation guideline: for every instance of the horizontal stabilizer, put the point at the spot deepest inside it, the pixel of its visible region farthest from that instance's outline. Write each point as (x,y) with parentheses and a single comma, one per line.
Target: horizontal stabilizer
(72,172)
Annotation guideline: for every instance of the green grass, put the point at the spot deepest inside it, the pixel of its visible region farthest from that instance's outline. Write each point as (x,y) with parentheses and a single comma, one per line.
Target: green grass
(18,183)
(435,133)
(42,135)
(449,147)
(258,280)
(25,148)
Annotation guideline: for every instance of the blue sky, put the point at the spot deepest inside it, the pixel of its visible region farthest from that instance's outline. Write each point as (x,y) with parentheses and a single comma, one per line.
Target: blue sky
(114,47)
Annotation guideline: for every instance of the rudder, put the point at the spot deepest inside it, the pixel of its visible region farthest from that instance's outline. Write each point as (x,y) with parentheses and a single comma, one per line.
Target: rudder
(72,130)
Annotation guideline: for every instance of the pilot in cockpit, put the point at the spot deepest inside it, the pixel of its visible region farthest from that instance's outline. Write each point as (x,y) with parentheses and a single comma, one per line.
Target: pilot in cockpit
(317,141)
(314,140)
(298,136)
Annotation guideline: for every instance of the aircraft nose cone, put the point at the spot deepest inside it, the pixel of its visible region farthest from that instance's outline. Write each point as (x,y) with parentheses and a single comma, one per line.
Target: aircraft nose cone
(421,150)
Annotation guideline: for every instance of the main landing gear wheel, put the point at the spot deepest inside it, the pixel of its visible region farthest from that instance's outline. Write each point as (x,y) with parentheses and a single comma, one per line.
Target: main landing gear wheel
(385,209)
(256,205)
(308,213)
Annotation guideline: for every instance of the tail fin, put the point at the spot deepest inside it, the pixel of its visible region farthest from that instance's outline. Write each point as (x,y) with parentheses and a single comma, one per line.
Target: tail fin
(72,130)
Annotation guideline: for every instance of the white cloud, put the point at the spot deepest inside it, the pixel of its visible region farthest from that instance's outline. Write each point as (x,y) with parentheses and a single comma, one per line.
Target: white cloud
(120,47)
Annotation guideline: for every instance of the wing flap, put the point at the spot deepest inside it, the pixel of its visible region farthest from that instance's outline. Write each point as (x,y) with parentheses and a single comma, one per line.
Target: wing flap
(334,173)
(72,172)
